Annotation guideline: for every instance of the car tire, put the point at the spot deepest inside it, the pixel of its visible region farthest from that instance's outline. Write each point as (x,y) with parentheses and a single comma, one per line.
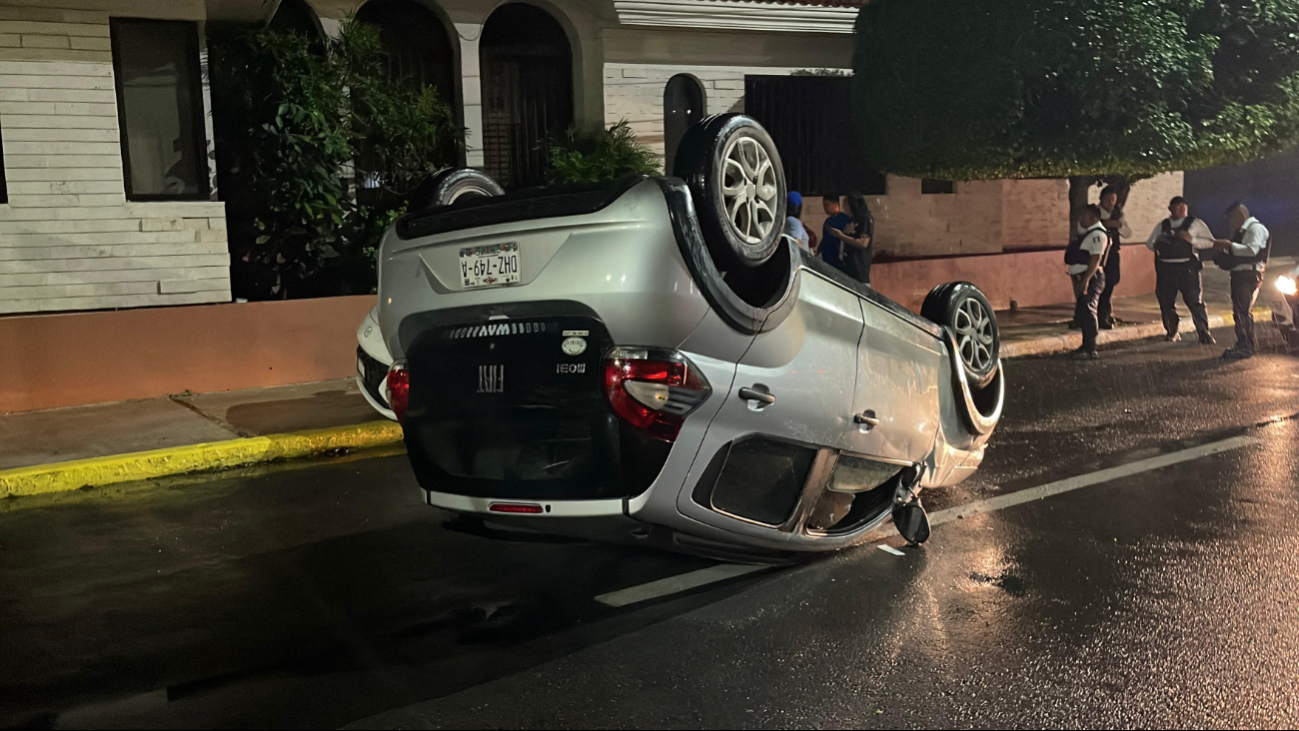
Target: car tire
(737,182)
(751,301)
(452,185)
(961,308)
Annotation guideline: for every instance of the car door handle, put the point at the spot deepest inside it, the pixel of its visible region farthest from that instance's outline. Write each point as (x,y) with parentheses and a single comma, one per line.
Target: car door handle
(754,394)
(866,419)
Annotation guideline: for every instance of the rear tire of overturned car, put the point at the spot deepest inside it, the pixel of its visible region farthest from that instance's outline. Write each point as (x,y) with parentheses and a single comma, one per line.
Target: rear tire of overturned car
(737,182)
(451,186)
(962,309)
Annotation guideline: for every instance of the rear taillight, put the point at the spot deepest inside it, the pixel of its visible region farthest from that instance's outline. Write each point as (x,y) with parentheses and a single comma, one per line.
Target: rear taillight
(398,383)
(653,390)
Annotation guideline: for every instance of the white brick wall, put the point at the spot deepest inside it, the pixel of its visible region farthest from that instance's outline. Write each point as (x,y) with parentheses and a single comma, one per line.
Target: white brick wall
(69,239)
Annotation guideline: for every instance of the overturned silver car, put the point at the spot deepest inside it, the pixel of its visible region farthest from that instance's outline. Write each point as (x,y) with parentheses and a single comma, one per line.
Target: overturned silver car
(650,359)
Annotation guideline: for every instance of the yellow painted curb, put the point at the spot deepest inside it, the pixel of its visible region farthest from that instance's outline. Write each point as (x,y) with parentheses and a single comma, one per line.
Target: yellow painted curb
(97,471)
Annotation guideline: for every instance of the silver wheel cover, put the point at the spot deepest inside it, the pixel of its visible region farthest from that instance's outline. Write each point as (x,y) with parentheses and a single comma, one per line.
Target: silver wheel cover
(974,336)
(749,189)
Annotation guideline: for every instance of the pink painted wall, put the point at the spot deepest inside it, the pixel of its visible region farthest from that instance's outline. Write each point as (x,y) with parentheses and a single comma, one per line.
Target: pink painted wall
(49,361)
(1031,279)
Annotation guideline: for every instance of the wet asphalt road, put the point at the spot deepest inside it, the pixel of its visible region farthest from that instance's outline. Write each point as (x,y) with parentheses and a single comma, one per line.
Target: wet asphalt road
(327,594)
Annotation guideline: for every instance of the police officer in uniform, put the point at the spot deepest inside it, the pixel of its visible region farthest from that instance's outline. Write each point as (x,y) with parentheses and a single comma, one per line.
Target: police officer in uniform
(1088,278)
(1245,254)
(1175,242)
(1117,227)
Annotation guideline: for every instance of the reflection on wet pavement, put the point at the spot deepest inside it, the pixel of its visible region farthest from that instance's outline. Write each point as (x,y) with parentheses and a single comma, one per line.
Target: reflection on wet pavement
(329,594)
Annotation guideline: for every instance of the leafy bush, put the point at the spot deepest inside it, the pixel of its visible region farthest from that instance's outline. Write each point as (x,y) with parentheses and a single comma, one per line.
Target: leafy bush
(979,89)
(290,115)
(605,155)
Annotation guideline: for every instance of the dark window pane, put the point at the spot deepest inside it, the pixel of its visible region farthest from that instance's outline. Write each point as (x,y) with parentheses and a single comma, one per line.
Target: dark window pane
(936,187)
(418,46)
(419,55)
(160,108)
(762,480)
(527,80)
(810,119)
(683,106)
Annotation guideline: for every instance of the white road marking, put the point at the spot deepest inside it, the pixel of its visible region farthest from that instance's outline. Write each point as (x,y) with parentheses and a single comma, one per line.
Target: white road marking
(676,584)
(1070,484)
(722,572)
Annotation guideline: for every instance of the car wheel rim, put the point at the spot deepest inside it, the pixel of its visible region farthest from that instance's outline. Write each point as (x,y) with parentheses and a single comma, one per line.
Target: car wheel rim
(974,335)
(749,189)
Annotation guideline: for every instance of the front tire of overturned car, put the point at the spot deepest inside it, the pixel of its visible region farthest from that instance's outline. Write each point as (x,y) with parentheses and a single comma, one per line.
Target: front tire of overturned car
(963,309)
(737,181)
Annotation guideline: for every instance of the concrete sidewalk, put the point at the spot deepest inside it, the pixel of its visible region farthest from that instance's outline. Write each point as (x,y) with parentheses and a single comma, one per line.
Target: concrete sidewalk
(66,449)
(1043,330)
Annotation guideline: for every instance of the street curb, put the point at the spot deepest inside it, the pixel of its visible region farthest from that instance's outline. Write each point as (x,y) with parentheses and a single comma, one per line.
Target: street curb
(100,471)
(1073,339)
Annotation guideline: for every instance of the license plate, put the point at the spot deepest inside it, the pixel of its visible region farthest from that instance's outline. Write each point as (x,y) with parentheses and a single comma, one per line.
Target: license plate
(488,266)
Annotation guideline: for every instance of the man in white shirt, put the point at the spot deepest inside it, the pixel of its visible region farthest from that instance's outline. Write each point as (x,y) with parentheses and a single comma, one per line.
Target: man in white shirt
(1117,226)
(1175,242)
(1089,278)
(1248,248)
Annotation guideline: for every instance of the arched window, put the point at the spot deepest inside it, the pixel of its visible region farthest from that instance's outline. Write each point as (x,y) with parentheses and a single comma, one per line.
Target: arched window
(683,105)
(418,45)
(296,16)
(419,55)
(527,81)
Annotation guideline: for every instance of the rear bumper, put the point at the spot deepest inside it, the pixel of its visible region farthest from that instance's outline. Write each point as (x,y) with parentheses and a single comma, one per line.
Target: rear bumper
(1282,310)
(377,405)
(551,509)
(372,364)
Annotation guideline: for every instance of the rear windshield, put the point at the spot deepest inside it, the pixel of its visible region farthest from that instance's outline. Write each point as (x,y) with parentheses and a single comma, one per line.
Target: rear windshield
(547,202)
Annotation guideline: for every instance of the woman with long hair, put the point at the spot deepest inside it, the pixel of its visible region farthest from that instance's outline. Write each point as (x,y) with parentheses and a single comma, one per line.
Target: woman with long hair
(857,237)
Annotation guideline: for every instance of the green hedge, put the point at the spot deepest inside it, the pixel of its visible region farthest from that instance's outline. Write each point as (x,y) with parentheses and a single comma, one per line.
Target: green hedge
(985,89)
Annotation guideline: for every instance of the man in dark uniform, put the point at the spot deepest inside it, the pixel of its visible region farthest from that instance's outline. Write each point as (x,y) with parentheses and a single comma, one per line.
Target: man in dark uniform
(1088,278)
(1117,226)
(1246,256)
(1176,241)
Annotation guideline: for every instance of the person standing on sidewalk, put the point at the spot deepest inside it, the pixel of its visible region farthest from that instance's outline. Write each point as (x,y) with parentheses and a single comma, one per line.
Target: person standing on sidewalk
(1117,226)
(831,246)
(1175,242)
(1089,278)
(1246,256)
(857,250)
(793,226)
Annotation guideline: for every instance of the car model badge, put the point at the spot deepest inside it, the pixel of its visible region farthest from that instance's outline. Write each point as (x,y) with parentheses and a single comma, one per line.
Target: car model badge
(574,346)
(491,379)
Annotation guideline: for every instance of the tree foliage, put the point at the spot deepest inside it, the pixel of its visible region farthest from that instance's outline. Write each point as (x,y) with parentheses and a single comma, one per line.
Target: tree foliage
(292,115)
(984,89)
(605,155)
